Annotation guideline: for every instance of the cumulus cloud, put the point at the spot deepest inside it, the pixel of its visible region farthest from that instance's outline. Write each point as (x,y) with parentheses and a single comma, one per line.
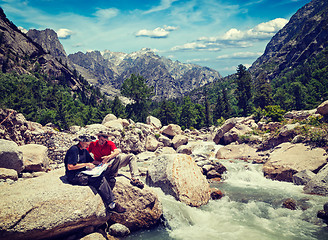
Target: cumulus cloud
(240,55)
(189,46)
(235,38)
(108,13)
(160,32)
(261,31)
(64,33)
(23,30)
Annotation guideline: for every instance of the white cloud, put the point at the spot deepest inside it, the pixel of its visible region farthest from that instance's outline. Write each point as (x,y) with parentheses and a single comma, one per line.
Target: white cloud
(189,46)
(23,30)
(240,55)
(104,14)
(157,32)
(165,4)
(64,33)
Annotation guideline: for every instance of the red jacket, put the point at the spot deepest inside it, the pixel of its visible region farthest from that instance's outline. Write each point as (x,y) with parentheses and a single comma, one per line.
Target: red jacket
(100,151)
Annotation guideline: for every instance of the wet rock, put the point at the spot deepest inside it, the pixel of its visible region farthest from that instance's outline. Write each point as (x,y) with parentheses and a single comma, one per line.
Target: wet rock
(290,204)
(318,184)
(179,176)
(118,230)
(303,177)
(216,194)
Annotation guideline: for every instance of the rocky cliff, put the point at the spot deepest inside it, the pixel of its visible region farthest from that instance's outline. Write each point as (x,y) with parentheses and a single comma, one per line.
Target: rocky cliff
(49,41)
(20,54)
(305,35)
(170,79)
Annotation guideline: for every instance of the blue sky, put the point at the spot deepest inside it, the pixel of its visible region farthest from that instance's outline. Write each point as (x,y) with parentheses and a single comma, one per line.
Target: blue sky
(220,34)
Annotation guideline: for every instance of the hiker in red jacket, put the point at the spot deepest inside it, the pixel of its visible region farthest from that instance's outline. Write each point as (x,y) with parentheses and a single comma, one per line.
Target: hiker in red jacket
(104,150)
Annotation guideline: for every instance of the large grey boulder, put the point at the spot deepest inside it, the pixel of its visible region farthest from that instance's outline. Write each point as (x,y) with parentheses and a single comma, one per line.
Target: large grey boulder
(179,140)
(303,177)
(319,183)
(288,159)
(155,122)
(171,130)
(10,156)
(35,157)
(239,151)
(227,126)
(178,175)
(109,117)
(143,206)
(151,143)
(323,108)
(48,206)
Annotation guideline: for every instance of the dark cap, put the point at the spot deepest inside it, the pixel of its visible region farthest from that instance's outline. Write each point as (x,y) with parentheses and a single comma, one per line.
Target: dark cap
(104,134)
(85,138)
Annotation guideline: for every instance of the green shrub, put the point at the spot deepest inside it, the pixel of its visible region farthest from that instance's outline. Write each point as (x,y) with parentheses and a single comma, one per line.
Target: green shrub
(220,122)
(274,112)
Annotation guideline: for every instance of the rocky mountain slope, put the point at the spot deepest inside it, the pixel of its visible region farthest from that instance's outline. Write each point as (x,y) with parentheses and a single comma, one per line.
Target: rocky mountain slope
(304,36)
(170,79)
(49,41)
(20,54)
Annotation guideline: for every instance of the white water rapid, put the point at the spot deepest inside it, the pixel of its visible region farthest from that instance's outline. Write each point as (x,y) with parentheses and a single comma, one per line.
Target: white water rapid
(251,209)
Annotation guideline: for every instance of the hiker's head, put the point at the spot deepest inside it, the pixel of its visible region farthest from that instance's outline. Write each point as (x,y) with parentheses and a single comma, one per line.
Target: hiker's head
(84,140)
(103,137)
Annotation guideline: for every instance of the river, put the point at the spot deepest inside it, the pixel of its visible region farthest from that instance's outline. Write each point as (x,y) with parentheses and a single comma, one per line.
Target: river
(251,209)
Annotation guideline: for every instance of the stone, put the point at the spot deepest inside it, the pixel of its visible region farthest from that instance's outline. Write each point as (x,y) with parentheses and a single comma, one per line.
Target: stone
(303,177)
(216,194)
(299,115)
(227,126)
(238,151)
(287,159)
(10,156)
(323,108)
(144,209)
(234,134)
(319,183)
(179,140)
(178,175)
(8,174)
(35,157)
(290,204)
(171,130)
(94,236)
(48,206)
(114,124)
(155,122)
(165,140)
(109,117)
(151,143)
(118,230)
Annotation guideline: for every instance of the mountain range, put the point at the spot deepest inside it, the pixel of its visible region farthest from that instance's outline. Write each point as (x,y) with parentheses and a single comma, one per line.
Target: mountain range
(304,36)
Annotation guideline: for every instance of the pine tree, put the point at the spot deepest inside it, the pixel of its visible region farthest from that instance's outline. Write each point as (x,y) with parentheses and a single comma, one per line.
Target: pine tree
(135,88)
(263,92)
(244,90)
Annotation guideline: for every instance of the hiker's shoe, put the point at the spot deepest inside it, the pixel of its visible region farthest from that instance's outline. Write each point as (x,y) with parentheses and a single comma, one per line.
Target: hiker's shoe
(118,209)
(136,182)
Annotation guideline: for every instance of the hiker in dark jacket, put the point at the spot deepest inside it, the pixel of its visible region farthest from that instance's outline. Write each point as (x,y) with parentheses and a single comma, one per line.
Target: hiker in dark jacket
(78,159)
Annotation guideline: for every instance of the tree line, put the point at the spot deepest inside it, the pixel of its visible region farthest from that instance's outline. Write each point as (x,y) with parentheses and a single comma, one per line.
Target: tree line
(303,87)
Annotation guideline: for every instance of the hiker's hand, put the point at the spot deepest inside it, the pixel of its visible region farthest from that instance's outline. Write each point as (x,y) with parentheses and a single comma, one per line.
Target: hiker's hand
(105,159)
(90,165)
